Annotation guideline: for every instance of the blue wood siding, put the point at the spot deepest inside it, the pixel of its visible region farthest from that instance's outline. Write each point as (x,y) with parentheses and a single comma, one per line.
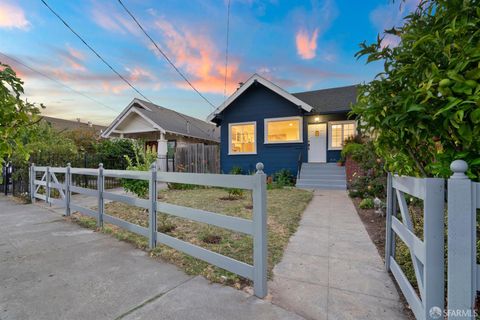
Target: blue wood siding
(256,104)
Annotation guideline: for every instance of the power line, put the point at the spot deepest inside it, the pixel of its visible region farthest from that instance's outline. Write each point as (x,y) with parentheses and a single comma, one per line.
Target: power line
(94,51)
(165,55)
(226,50)
(56,81)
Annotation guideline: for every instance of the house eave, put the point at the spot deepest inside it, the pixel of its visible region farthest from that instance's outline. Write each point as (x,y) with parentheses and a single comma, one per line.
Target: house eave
(270,85)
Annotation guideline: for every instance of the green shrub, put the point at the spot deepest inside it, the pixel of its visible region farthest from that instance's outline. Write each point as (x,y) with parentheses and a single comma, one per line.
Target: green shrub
(366,203)
(352,149)
(235,193)
(182,186)
(141,162)
(283,178)
(236,170)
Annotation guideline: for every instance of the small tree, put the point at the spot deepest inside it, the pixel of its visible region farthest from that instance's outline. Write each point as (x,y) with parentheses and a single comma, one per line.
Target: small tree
(16,114)
(424,108)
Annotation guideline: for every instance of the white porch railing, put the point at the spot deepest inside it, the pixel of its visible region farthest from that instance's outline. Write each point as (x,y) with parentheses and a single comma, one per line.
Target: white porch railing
(257,227)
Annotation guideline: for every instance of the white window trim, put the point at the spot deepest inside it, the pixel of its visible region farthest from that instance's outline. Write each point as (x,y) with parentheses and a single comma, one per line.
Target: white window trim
(330,123)
(265,129)
(230,153)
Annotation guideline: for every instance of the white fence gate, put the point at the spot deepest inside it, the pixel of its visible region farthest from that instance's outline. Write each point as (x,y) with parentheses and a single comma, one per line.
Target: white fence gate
(257,227)
(428,255)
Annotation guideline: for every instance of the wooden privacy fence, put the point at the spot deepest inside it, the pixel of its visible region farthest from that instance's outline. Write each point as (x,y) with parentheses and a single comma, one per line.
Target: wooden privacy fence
(197,158)
(257,228)
(428,255)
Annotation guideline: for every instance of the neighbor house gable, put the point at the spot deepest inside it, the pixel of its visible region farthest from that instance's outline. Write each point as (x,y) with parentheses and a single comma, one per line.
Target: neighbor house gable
(132,114)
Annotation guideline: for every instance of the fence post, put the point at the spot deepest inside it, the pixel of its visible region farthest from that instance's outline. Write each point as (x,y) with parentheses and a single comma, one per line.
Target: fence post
(101,204)
(461,242)
(32,182)
(433,235)
(47,185)
(260,233)
(388,236)
(68,182)
(152,211)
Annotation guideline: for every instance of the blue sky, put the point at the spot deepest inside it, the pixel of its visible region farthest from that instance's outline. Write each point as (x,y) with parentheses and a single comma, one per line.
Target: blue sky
(300,45)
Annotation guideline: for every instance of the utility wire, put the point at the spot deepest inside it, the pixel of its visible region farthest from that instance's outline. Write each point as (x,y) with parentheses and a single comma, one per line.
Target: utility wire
(56,81)
(165,55)
(94,51)
(226,51)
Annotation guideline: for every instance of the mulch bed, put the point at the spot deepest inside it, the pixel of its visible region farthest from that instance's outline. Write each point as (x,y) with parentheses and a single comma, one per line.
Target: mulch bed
(375,225)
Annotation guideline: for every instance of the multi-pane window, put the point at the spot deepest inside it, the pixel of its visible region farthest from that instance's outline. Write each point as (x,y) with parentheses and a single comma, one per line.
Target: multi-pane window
(339,132)
(243,138)
(283,130)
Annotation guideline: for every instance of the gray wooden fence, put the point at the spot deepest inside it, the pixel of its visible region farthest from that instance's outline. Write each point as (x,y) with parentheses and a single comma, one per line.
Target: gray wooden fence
(428,255)
(197,158)
(463,270)
(257,227)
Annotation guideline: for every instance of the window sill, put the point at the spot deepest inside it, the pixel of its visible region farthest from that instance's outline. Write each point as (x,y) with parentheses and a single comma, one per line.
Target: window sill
(242,153)
(283,142)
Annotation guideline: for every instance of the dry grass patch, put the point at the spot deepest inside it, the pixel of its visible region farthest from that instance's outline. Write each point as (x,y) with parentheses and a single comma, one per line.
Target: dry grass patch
(285,207)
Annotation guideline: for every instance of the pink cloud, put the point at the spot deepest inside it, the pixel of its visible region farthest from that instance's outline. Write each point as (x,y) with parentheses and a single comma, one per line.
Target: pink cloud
(110,19)
(196,55)
(12,16)
(306,43)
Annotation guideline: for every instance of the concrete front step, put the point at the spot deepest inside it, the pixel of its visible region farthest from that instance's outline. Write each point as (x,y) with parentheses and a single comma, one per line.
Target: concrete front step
(320,180)
(322,176)
(328,186)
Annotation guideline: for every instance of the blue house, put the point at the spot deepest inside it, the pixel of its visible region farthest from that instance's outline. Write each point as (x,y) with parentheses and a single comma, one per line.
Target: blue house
(261,122)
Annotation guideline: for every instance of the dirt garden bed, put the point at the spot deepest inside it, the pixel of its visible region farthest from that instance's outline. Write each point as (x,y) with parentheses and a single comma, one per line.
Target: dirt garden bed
(285,207)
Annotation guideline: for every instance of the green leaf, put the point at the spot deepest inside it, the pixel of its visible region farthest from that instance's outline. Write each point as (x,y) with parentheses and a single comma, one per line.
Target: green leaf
(416,107)
(475,116)
(454,102)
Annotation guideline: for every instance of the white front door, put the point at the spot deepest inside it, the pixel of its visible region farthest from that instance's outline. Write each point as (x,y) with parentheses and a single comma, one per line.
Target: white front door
(317,142)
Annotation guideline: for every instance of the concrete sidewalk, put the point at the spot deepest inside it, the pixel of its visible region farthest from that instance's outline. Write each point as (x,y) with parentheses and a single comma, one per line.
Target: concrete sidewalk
(331,269)
(53,269)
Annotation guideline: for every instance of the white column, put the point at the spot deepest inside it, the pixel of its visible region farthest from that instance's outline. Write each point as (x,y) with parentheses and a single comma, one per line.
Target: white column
(162,150)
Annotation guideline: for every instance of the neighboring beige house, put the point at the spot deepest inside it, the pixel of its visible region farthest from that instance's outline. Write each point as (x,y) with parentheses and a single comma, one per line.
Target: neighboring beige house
(162,129)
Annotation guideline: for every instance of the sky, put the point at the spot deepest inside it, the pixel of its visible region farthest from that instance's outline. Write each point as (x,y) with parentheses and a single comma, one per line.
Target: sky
(299,45)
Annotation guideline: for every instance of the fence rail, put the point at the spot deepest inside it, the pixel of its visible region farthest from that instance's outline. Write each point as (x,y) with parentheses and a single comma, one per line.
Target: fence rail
(257,227)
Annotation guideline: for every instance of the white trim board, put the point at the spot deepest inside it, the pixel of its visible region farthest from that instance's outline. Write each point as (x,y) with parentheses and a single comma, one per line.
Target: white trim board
(270,85)
(121,117)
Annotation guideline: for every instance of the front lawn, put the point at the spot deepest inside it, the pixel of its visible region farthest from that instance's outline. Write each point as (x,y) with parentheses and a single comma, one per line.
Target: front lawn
(285,207)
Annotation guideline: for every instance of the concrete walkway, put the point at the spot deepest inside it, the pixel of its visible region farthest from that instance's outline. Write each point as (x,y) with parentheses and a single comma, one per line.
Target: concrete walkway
(331,269)
(53,269)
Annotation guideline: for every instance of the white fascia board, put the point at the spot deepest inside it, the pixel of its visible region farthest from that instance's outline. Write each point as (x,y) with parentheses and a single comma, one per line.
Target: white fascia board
(114,123)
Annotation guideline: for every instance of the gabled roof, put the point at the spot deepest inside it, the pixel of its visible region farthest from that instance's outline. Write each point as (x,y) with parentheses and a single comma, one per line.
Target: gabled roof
(256,78)
(330,100)
(64,124)
(166,120)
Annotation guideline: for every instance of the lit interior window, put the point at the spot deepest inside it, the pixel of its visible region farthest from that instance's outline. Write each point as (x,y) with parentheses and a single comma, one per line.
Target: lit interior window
(283,130)
(340,132)
(242,138)
(337,136)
